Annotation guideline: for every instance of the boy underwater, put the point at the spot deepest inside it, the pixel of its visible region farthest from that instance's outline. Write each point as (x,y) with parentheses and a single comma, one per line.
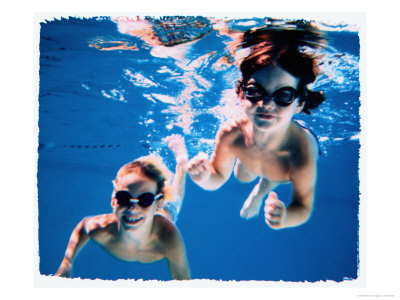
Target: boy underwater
(267,142)
(141,227)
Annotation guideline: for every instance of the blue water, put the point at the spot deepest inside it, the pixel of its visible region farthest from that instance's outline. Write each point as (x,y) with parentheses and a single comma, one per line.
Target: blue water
(100,109)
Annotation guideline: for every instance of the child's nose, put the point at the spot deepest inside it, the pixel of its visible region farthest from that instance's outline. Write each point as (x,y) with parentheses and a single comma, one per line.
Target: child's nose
(133,205)
(268,101)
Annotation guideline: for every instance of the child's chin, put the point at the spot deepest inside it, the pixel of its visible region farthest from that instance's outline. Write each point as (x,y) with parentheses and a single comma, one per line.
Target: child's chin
(264,124)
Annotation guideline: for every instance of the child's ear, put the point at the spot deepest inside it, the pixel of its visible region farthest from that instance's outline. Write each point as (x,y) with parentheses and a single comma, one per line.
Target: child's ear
(242,99)
(300,107)
(113,200)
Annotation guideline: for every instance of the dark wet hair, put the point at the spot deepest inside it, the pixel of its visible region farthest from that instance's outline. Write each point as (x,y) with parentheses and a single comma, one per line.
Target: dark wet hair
(282,45)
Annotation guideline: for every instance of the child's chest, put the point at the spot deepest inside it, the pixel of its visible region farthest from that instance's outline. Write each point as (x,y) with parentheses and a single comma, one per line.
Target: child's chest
(148,253)
(273,165)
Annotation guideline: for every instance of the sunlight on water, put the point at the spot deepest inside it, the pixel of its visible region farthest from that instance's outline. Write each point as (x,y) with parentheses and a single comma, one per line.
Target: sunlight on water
(337,26)
(195,72)
(190,86)
(340,71)
(108,44)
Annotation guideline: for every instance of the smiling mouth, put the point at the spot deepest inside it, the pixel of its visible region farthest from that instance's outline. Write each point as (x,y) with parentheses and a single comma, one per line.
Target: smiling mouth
(131,220)
(265,116)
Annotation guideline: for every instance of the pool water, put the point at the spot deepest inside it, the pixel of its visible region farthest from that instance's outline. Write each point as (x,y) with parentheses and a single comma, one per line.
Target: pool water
(107,97)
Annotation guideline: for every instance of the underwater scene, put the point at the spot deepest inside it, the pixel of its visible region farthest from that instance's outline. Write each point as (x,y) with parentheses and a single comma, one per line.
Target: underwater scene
(112,88)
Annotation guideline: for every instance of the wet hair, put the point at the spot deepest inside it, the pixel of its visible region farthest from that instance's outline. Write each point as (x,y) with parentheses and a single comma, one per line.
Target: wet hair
(152,167)
(280,45)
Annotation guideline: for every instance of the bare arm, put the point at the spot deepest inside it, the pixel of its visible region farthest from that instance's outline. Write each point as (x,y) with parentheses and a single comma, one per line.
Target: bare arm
(177,145)
(180,179)
(176,254)
(303,178)
(299,211)
(212,174)
(78,240)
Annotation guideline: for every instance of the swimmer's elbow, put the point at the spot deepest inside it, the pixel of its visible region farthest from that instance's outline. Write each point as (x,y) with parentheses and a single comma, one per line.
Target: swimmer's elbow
(63,272)
(214,182)
(297,215)
(180,270)
(307,210)
(182,276)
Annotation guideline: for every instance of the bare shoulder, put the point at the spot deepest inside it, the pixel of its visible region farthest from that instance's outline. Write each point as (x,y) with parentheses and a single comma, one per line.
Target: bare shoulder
(304,166)
(304,149)
(310,143)
(166,231)
(95,225)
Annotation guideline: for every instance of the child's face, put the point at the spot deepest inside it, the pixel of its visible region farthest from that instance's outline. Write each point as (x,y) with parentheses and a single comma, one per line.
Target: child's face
(266,114)
(134,216)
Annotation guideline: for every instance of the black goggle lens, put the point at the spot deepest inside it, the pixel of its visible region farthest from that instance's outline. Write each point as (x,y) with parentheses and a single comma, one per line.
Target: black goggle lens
(282,97)
(124,199)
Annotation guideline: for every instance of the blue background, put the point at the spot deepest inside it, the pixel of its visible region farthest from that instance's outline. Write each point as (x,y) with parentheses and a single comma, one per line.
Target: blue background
(84,138)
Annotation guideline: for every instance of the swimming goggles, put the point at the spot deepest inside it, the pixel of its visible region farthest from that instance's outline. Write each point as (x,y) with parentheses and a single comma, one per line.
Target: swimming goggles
(282,97)
(124,198)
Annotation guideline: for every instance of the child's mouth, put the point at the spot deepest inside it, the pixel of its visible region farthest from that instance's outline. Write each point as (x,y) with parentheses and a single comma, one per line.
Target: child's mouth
(265,116)
(131,221)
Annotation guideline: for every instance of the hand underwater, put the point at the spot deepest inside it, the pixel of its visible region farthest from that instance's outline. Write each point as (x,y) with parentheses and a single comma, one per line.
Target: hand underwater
(199,167)
(274,211)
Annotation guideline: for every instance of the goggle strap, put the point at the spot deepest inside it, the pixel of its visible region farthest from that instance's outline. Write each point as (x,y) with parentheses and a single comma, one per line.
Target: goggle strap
(159,196)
